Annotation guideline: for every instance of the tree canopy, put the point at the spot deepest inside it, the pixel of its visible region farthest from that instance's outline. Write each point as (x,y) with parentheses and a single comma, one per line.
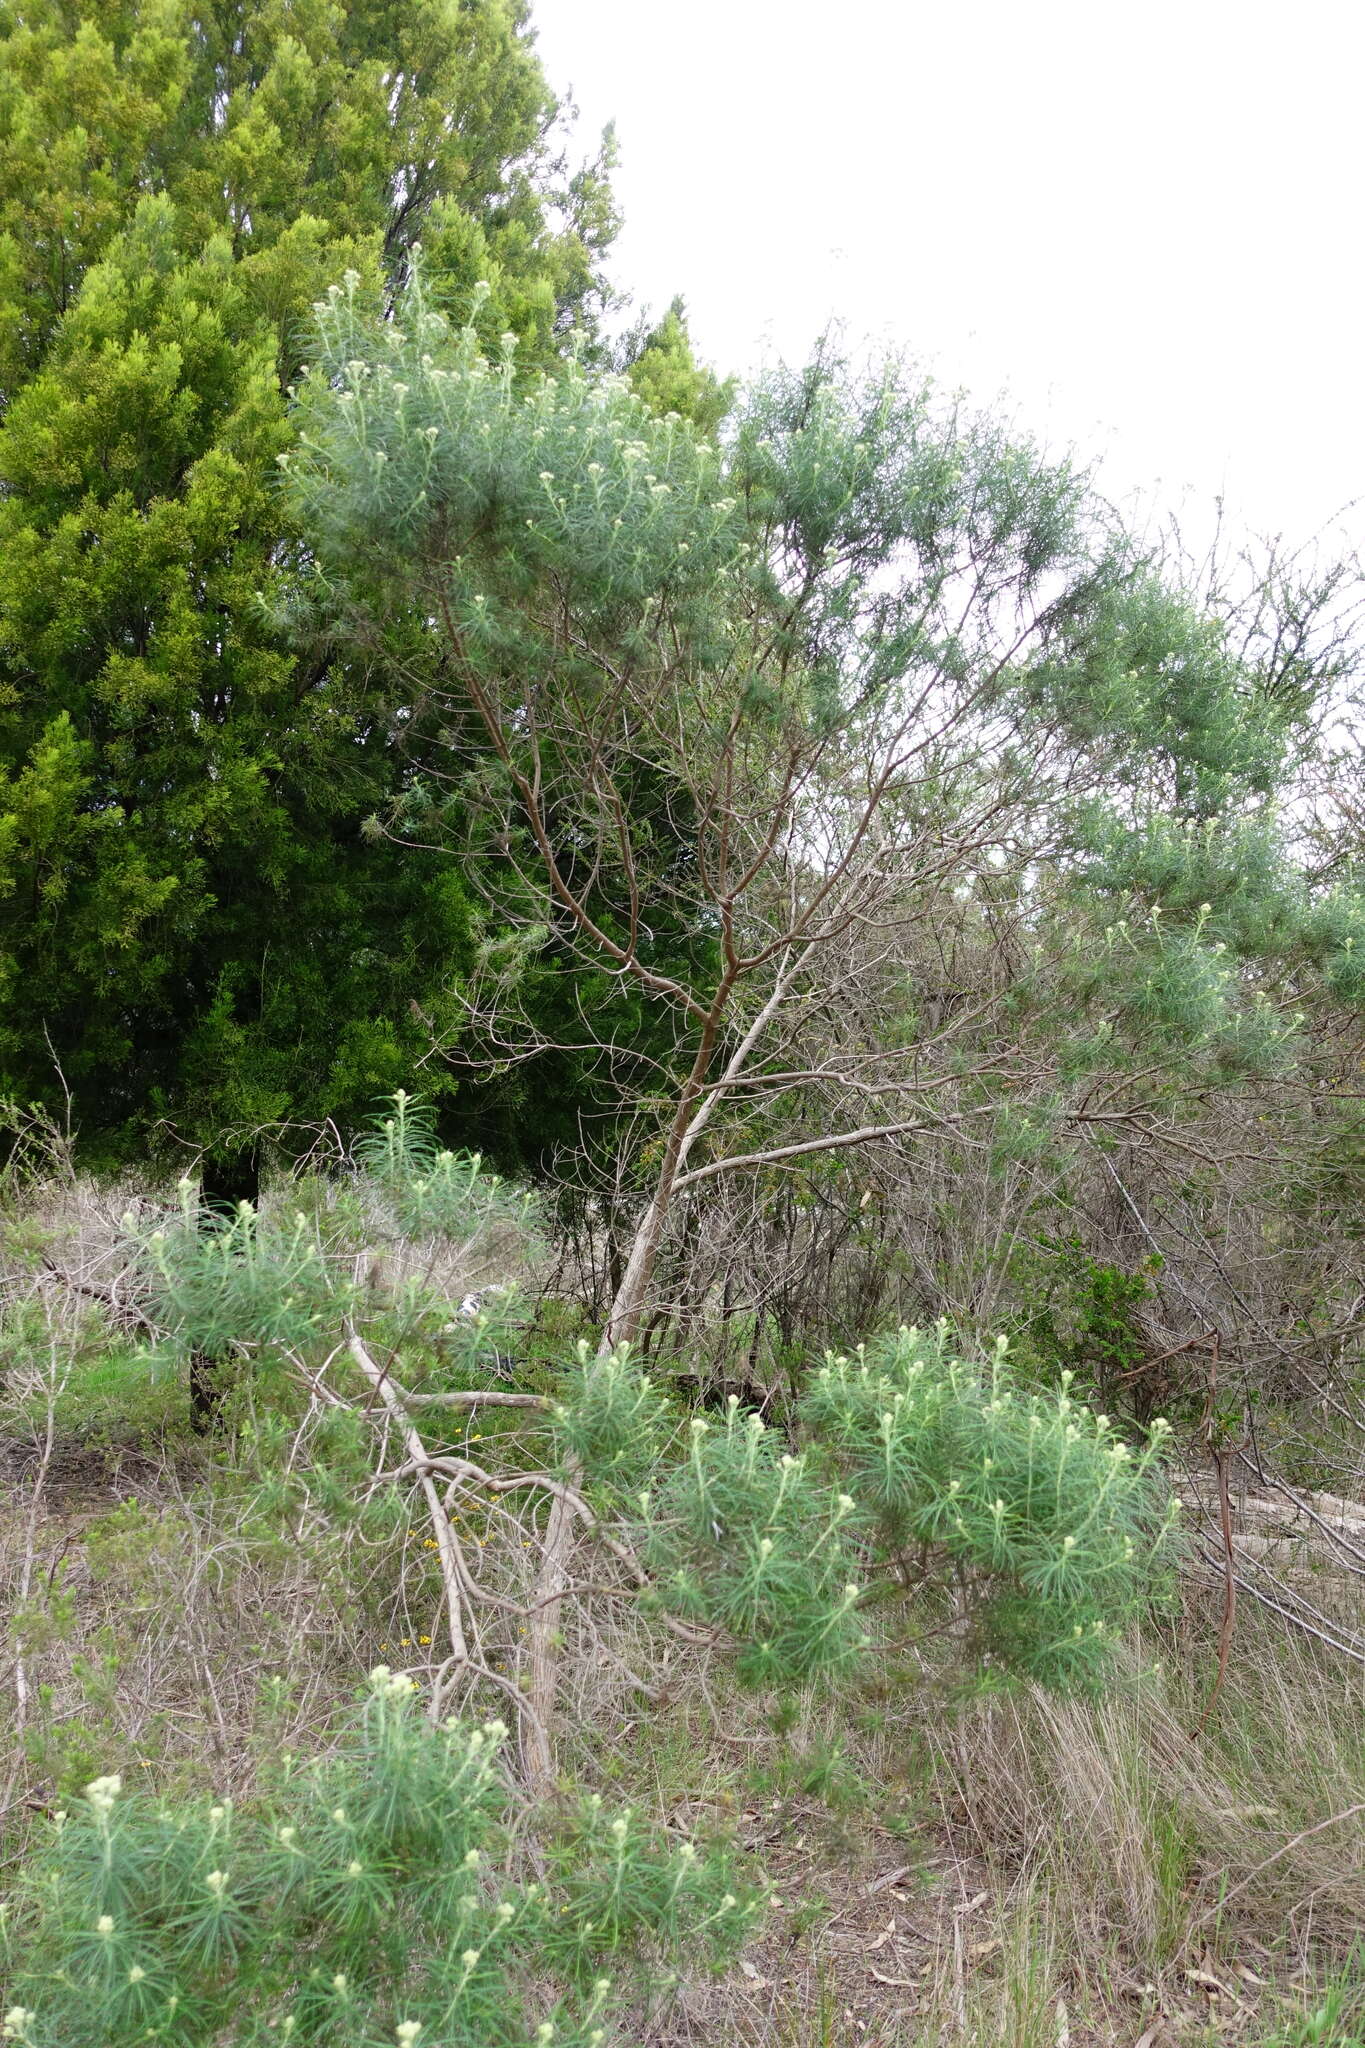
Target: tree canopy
(192,927)
(728,724)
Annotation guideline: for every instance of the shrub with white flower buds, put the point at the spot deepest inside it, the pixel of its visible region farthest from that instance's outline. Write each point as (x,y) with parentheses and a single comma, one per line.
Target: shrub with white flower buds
(917,1467)
(394,1887)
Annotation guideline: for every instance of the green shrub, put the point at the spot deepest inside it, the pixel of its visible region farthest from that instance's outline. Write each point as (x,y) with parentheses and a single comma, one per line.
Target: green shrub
(748,1538)
(1085,1315)
(257,1284)
(915,1480)
(239,1280)
(433,1192)
(1058,1524)
(918,1471)
(378,1897)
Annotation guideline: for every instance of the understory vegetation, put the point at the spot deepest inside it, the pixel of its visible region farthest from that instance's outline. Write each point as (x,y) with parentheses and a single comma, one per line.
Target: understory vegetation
(681,1157)
(896,1713)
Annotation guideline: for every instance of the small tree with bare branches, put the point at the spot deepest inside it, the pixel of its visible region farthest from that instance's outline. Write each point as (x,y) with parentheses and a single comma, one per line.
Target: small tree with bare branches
(731,722)
(735,730)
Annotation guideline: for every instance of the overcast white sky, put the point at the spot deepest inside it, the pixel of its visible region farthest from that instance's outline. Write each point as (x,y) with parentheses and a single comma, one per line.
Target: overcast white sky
(1142,223)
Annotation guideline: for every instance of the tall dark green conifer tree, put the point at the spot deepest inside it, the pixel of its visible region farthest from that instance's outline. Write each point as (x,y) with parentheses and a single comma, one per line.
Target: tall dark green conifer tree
(192,925)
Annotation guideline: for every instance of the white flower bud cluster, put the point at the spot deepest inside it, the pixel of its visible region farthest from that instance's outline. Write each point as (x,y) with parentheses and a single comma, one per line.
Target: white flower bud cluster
(391,1685)
(102,1792)
(488,1737)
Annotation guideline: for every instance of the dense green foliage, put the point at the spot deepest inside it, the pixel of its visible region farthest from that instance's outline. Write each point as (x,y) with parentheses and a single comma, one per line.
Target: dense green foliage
(239,1283)
(916,1466)
(664,372)
(374,1897)
(191,923)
